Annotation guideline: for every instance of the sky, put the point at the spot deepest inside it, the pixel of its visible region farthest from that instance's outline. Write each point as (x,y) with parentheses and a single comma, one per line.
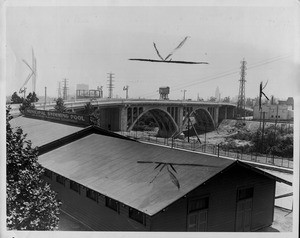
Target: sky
(85,43)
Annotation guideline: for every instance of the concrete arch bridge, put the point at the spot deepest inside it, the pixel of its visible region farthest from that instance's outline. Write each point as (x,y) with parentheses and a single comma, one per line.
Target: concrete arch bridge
(172,116)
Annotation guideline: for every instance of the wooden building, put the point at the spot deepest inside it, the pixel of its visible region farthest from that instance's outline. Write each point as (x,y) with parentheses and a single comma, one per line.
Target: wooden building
(112,183)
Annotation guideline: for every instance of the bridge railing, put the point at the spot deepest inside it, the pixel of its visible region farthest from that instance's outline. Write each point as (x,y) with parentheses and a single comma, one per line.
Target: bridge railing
(194,145)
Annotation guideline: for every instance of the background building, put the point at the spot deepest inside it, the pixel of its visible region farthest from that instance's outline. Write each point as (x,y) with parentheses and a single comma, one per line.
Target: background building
(83,91)
(284,110)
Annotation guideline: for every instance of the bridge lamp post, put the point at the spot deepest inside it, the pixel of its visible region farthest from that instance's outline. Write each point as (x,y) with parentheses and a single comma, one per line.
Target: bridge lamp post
(183,94)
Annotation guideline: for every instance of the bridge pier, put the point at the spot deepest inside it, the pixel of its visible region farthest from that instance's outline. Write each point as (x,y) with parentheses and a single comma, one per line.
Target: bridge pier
(123,118)
(231,114)
(216,116)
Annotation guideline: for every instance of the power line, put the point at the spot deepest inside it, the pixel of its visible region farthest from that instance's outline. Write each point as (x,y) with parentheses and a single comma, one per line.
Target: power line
(224,74)
(227,73)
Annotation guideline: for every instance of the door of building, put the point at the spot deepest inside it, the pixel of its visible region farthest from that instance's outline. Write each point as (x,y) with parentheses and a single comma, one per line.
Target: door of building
(197,221)
(197,214)
(244,210)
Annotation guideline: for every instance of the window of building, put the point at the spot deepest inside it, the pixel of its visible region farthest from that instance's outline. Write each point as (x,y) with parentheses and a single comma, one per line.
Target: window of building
(75,186)
(198,204)
(244,193)
(60,179)
(48,173)
(91,194)
(113,204)
(272,116)
(137,216)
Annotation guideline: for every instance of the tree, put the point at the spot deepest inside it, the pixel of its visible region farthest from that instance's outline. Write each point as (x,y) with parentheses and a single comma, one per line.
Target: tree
(31,204)
(88,108)
(31,97)
(60,105)
(226,99)
(212,99)
(15,98)
(95,118)
(26,104)
(249,102)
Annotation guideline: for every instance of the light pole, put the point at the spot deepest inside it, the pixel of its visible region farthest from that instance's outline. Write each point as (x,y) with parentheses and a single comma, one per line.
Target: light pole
(125,88)
(183,94)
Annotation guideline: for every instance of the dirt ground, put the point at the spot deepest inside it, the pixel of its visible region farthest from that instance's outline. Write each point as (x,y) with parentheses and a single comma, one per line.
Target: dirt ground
(283,221)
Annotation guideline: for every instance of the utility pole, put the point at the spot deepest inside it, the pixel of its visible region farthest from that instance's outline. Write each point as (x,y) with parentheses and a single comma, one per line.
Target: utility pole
(241,97)
(188,126)
(262,133)
(125,88)
(275,124)
(261,112)
(45,98)
(183,94)
(110,85)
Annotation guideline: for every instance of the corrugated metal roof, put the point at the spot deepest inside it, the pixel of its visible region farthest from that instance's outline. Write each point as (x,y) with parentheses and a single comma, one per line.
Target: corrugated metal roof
(42,132)
(110,166)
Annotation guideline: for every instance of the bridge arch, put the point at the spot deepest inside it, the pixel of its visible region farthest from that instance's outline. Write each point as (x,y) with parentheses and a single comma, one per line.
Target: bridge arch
(166,123)
(203,120)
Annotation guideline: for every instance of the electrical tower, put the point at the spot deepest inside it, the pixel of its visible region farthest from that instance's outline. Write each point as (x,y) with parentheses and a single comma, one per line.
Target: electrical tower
(241,97)
(110,85)
(65,89)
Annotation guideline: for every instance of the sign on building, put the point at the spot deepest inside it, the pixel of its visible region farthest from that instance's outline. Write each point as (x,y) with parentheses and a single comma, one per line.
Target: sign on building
(58,116)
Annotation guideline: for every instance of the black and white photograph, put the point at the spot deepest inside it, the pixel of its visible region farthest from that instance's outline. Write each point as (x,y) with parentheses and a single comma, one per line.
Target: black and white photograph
(150,118)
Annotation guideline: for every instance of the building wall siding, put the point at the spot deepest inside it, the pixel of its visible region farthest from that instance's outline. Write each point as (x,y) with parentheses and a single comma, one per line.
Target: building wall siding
(173,218)
(222,192)
(94,214)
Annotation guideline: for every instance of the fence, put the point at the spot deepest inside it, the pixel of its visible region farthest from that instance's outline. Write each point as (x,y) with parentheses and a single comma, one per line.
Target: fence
(194,145)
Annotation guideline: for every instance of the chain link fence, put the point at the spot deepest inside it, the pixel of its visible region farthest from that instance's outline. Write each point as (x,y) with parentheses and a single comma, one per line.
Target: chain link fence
(194,145)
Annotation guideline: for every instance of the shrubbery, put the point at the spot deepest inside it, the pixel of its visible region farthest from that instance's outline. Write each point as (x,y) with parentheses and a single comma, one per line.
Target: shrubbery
(275,141)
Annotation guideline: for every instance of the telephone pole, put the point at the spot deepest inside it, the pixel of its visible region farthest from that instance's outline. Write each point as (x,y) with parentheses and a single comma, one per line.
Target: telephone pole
(110,85)
(45,98)
(241,97)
